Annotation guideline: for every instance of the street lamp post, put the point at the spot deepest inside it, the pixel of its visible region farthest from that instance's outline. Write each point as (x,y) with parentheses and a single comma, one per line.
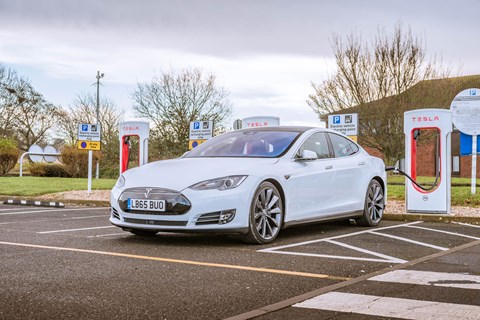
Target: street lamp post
(97,173)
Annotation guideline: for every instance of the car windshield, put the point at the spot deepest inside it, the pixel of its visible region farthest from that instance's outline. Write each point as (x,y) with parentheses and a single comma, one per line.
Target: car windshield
(248,143)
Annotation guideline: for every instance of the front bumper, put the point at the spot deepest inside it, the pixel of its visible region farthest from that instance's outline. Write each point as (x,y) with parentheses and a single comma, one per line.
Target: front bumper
(204,214)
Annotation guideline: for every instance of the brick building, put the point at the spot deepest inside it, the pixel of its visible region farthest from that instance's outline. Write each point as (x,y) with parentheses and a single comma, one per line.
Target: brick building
(426,94)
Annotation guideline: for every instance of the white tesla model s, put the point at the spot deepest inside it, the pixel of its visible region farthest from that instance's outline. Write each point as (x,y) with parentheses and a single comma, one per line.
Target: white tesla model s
(254,182)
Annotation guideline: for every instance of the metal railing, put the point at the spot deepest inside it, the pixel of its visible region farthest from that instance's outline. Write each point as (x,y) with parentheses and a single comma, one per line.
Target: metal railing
(37,154)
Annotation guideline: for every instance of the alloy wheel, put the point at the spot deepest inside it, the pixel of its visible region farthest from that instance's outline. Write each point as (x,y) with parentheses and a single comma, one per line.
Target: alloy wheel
(268,213)
(375,202)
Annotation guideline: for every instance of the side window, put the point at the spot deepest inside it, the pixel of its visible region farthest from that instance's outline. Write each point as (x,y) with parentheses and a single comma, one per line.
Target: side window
(342,147)
(317,142)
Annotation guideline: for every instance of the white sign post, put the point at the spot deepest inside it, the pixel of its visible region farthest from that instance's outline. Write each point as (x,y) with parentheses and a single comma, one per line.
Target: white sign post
(89,132)
(465,110)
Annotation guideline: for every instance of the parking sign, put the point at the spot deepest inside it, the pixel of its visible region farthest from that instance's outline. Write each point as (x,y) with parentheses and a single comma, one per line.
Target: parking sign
(344,123)
(88,132)
(201,130)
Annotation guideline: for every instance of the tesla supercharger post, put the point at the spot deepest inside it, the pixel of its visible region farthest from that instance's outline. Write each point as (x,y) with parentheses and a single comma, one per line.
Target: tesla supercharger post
(128,129)
(439,123)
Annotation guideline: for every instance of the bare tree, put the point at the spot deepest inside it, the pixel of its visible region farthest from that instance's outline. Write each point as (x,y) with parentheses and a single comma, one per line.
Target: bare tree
(84,111)
(34,116)
(387,67)
(172,100)
(8,100)
(24,113)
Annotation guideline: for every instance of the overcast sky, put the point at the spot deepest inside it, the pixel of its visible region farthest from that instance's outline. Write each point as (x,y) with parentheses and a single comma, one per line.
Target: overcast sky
(265,52)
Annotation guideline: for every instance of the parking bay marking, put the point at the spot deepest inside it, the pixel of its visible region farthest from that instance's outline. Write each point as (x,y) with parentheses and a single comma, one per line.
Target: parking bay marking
(467,224)
(78,229)
(382,306)
(187,262)
(384,258)
(429,278)
(446,232)
(409,240)
(50,210)
(59,219)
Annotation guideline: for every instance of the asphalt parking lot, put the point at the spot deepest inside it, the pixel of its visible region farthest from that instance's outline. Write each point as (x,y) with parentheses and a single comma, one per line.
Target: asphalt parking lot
(71,263)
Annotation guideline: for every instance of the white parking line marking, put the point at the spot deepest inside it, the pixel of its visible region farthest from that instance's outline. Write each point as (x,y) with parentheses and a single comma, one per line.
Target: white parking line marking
(385,258)
(446,232)
(15,208)
(467,224)
(336,237)
(51,210)
(380,255)
(185,262)
(109,235)
(409,240)
(79,229)
(428,278)
(59,219)
(318,255)
(390,307)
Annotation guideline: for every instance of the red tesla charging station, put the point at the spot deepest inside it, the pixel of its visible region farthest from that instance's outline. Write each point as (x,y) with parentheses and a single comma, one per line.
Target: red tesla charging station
(128,130)
(437,125)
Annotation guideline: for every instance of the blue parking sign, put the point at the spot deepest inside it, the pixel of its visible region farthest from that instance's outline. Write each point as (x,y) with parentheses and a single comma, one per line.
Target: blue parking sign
(196,125)
(336,119)
(84,127)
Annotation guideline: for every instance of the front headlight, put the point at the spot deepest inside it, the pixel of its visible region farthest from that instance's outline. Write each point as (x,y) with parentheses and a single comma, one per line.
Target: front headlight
(225,183)
(120,182)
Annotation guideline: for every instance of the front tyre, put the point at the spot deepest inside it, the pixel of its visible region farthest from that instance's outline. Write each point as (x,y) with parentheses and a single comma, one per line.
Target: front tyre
(374,205)
(266,215)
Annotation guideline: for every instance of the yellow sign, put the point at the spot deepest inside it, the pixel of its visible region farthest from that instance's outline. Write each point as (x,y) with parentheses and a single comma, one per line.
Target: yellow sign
(193,143)
(354,138)
(88,145)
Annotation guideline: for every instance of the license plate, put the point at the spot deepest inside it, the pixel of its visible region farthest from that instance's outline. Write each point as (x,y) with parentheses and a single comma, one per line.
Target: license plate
(146,205)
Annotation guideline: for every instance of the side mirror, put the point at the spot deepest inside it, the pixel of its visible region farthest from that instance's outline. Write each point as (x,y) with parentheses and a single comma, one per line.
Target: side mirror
(308,155)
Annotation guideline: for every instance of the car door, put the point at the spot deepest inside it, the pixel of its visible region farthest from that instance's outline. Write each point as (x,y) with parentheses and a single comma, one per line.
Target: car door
(350,173)
(310,183)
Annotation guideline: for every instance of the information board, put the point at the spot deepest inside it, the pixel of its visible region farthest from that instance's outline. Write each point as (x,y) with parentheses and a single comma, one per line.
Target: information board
(465,109)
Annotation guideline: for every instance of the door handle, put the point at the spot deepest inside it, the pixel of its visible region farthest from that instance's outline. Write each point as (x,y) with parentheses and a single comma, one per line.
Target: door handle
(328,167)
(361,163)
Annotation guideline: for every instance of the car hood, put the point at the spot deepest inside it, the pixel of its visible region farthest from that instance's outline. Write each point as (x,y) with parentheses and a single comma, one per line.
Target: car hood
(181,173)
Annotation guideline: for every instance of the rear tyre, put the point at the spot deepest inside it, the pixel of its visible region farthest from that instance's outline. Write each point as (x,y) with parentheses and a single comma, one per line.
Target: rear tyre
(266,215)
(143,233)
(374,205)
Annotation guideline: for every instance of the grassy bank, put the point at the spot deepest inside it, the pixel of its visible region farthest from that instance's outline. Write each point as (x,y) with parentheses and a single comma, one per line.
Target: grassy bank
(34,186)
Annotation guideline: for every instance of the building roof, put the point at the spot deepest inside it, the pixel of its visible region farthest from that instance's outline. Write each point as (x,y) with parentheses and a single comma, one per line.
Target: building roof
(437,93)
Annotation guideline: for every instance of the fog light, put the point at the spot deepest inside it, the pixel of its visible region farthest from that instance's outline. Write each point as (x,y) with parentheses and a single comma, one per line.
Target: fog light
(226,216)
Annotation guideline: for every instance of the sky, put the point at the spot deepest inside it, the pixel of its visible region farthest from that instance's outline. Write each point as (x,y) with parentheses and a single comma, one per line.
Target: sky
(266,53)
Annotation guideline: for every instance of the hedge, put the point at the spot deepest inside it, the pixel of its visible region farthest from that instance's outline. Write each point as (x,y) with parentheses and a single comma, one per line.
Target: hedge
(8,155)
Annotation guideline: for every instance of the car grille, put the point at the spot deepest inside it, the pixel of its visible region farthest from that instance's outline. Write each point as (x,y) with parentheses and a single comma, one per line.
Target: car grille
(157,222)
(115,213)
(176,203)
(209,218)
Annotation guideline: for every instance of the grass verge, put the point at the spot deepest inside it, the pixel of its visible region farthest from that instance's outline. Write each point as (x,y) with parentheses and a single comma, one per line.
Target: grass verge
(461,196)
(34,186)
